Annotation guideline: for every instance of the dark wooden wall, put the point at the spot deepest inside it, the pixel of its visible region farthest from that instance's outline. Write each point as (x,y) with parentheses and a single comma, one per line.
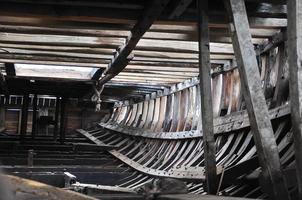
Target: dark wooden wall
(78,117)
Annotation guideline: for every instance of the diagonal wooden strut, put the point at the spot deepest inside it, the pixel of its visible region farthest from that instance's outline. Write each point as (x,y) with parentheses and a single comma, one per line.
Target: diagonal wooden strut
(123,55)
(255,101)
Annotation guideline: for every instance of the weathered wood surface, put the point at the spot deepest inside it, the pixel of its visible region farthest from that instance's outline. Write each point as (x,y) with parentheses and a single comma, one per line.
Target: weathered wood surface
(222,125)
(206,98)
(196,197)
(256,105)
(13,188)
(295,77)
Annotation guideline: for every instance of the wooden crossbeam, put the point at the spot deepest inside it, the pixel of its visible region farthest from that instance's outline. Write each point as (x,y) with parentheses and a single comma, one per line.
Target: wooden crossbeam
(206,98)
(263,133)
(121,58)
(295,78)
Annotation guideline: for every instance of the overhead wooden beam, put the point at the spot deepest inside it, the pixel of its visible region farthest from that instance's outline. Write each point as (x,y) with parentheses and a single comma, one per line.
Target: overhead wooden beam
(121,58)
(263,133)
(295,64)
(206,98)
(10,69)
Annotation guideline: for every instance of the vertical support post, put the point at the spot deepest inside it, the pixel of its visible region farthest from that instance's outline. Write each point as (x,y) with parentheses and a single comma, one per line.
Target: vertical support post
(264,138)
(34,116)
(57,112)
(2,118)
(24,116)
(63,120)
(206,98)
(294,15)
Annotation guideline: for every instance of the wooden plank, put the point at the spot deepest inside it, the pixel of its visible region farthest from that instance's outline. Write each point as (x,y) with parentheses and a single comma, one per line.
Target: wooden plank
(206,98)
(295,65)
(7,57)
(121,58)
(216,34)
(196,196)
(255,101)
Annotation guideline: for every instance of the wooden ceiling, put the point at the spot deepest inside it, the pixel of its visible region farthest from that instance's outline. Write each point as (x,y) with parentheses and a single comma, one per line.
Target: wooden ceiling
(90,33)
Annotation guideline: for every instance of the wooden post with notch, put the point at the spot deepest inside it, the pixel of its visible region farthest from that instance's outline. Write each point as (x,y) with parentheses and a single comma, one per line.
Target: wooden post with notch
(294,8)
(263,134)
(206,98)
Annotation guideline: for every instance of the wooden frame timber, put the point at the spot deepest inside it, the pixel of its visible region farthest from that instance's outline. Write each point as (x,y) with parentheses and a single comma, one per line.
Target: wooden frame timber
(294,35)
(206,98)
(222,125)
(255,100)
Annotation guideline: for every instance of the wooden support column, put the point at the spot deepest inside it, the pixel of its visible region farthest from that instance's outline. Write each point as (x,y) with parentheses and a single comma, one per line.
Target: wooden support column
(2,118)
(206,98)
(63,120)
(294,8)
(34,117)
(255,102)
(57,112)
(24,116)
